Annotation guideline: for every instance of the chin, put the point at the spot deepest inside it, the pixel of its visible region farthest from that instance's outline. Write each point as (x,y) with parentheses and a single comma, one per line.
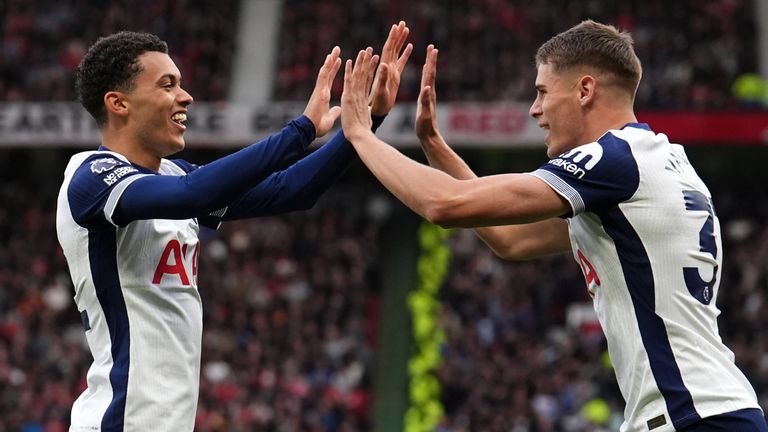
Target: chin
(173,148)
(551,152)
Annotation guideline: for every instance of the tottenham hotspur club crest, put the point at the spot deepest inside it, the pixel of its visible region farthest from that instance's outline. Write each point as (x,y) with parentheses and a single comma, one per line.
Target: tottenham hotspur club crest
(103,165)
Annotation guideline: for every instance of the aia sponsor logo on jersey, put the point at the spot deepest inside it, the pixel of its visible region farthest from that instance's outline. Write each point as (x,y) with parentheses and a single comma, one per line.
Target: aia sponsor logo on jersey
(173,263)
(579,160)
(103,165)
(590,275)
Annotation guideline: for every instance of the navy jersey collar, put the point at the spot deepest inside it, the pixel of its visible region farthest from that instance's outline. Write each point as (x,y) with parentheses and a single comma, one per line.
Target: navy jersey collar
(637,126)
(138,167)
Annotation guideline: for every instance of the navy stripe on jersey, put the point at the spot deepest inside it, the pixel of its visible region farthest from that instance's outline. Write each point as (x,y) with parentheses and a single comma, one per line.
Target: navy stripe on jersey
(102,254)
(638,276)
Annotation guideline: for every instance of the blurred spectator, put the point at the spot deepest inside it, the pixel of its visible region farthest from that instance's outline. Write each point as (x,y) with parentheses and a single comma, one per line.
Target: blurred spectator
(43,41)
(692,50)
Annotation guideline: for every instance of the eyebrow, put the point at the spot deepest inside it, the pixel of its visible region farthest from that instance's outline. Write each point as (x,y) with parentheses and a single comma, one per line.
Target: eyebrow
(171,77)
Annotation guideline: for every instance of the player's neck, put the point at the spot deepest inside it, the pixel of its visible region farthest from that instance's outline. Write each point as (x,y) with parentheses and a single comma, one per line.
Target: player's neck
(601,121)
(125,145)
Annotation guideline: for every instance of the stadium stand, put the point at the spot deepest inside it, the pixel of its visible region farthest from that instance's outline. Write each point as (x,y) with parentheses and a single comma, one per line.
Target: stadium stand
(691,51)
(43,41)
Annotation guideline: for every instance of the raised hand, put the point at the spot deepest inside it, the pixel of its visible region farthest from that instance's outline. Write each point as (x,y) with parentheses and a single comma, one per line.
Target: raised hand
(426,106)
(356,115)
(387,80)
(318,108)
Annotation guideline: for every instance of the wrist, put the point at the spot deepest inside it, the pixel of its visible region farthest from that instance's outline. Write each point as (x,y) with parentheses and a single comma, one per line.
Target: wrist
(431,139)
(357,133)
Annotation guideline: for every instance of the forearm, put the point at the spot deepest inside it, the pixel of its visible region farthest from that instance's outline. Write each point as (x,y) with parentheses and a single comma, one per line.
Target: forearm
(214,185)
(298,187)
(501,239)
(526,241)
(441,156)
(301,185)
(418,186)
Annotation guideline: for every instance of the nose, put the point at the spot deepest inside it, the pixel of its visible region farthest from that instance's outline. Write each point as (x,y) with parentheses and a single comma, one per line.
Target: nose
(185,99)
(535,110)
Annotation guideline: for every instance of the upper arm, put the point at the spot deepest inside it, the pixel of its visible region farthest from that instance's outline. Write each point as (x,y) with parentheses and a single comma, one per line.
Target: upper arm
(165,197)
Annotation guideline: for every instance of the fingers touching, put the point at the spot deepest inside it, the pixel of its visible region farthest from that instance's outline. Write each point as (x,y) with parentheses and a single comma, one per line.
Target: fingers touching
(329,69)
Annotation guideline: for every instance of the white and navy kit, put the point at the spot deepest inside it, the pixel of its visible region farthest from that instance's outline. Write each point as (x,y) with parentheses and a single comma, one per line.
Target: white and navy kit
(646,236)
(130,236)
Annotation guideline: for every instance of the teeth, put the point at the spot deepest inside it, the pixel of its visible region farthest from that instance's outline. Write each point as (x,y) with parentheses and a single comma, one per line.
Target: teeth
(179,117)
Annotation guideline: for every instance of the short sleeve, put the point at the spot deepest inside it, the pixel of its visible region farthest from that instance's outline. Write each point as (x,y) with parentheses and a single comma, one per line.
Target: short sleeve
(96,186)
(595,176)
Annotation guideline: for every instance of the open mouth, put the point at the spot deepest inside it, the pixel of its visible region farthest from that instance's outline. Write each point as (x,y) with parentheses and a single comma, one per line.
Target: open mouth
(179,119)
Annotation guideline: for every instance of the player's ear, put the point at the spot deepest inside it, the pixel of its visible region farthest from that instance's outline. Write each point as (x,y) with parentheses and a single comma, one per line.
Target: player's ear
(586,87)
(116,103)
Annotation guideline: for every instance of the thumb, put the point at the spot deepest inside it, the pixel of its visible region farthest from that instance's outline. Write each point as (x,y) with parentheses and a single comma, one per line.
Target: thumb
(424,96)
(383,77)
(335,112)
(384,74)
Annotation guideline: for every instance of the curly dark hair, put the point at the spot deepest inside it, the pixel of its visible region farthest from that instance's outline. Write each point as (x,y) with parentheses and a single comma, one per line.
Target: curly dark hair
(112,63)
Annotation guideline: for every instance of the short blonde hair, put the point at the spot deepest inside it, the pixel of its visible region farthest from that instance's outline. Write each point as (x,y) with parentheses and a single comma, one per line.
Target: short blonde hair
(594,45)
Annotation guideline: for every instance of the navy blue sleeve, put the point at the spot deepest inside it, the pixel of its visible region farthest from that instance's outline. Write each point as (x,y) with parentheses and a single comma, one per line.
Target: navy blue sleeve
(213,186)
(593,177)
(96,186)
(301,185)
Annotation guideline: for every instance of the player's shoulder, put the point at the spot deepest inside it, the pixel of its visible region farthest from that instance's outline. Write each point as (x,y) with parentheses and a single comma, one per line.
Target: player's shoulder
(94,171)
(99,163)
(611,153)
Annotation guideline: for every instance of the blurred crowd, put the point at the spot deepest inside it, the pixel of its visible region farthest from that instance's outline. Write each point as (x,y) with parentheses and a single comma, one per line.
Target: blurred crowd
(523,339)
(692,51)
(290,320)
(43,41)
(291,315)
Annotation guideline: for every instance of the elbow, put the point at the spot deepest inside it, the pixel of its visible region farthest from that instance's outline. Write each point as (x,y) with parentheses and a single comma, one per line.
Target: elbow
(440,214)
(515,252)
(508,253)
(447,210)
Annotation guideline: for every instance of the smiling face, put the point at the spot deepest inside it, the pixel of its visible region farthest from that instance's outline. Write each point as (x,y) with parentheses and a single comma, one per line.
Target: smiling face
(158,106)
(557,109)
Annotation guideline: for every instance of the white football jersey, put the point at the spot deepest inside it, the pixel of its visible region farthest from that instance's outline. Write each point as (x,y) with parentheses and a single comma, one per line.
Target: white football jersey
(645,234)
(136,290)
